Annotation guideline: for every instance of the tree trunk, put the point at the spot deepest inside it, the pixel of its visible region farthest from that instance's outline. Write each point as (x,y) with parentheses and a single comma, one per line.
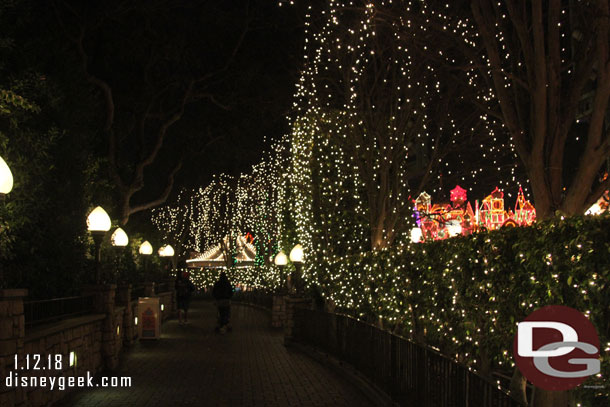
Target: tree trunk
(124,208)
(542,194)
(551,97)
(574,198)
(580,190)
(418,335)
(485,363)
(546,398)
(518,386)
(377,238)
(382,233)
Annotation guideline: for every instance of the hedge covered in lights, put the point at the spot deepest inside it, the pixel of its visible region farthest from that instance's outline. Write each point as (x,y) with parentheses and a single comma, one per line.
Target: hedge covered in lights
(466,294)
(264,278)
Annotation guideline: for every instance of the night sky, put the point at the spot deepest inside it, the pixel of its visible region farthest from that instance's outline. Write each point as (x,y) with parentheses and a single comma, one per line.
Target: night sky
(259,86)
(139,48)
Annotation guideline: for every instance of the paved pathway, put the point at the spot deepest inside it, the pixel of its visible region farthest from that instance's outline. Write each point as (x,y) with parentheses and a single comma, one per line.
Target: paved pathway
(193,366)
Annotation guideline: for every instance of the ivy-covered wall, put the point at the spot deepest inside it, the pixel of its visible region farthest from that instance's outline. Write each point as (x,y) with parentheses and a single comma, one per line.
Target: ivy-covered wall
(465,295)
(265,278)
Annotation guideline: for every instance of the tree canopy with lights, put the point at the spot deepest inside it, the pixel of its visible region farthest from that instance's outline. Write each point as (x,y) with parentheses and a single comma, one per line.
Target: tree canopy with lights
(542,69)
(378,120)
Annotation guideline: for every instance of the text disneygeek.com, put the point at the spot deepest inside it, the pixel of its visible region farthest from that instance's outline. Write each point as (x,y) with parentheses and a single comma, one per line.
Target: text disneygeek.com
(14,380)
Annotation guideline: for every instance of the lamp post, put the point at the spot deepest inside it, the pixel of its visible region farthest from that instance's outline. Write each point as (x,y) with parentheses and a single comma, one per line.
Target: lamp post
(296,256)
(98,224)
(6,185)
(281,260)
(168,252)
(119,240)
(6,179)
(145,250)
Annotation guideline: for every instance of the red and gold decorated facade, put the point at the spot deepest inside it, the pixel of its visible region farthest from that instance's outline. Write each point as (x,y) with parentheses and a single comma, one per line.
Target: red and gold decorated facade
(443,220)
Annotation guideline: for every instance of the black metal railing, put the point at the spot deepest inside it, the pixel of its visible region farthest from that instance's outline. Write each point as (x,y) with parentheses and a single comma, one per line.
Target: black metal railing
(410,373)
(255,297)
(137,291)
(46,311)
(161,288)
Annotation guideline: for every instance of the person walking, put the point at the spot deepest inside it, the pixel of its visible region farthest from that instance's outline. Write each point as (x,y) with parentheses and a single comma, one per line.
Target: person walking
(184,290)
(222,292)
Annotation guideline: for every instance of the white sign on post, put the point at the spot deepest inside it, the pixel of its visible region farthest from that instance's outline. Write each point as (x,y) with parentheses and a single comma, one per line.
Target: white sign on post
(150,318)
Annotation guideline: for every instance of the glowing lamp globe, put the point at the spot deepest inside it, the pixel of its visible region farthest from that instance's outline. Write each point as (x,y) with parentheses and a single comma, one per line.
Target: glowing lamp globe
(119,238)
(296,254)
(98,220)
(146,248)
(281,259)
(416,235)
(166,251)
(6,178)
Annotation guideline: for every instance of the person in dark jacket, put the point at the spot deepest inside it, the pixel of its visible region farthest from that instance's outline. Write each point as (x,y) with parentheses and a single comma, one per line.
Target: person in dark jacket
(184,290)
(222,292)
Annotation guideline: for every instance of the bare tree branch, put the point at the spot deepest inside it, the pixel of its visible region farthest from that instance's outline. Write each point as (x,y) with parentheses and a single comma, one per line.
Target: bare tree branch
(160,199)
(509,114)
(165,103)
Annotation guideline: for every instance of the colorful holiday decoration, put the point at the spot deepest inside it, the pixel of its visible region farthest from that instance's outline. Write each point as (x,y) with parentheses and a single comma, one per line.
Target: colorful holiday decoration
(440,221)
(493,214)
(600,206)
(215,256)
(525,213)
(458,196)
(461,213)
(422,203)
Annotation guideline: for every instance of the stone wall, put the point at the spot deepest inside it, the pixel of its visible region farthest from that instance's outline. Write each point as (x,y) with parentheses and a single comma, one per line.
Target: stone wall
(80,337)
(291,303)
(131,332)
(95,340)
(12,329)
(112,338)
(104,303)
(278,311)
(123,298)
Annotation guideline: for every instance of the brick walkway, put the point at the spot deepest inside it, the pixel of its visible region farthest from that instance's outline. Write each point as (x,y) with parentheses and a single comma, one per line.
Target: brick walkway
(193,366)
